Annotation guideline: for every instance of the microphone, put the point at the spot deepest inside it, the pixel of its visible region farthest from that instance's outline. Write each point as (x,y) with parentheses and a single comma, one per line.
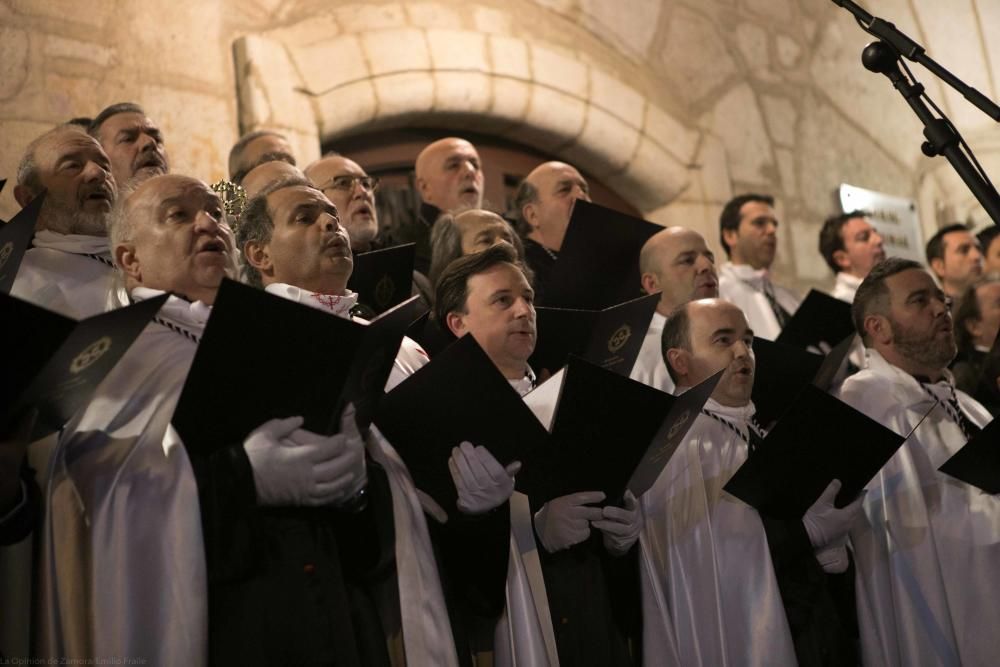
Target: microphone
(881,58)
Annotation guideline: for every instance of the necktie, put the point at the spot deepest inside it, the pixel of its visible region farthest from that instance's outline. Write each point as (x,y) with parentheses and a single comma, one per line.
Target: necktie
(779,313)
(954,410)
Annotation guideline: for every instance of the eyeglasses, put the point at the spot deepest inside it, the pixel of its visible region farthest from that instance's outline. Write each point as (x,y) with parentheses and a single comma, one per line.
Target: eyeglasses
(346,183)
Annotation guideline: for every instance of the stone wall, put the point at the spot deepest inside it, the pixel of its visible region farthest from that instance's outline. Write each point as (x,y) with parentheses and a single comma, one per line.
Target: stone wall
(675,104)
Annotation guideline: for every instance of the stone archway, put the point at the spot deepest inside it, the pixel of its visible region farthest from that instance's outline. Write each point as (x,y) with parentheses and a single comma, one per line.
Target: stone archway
(318,83)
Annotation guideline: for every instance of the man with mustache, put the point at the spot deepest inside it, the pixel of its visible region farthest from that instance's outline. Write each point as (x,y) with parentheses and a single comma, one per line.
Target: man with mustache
(487,295)
(69,268)
(715,572)
(133,142)
(254,149)
(544,203)
(678,264)
(449,179)
(851,247)
(294,247)
(926,541)
(748,231)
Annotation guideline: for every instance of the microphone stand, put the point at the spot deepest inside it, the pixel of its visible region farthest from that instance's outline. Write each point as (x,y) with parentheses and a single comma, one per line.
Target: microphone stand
(942,136)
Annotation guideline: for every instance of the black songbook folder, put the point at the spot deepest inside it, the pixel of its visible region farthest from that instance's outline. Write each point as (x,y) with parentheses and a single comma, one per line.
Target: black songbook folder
(819,439)
(610,433)
(264,357)
(610,338)
(460,395)
(978,462)
(821,318)
(15,239)
(598,264)
(56,362)
(383,278)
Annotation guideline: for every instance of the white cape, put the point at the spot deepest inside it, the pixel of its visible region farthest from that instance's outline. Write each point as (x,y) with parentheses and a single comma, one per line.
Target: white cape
(650,369)
(927,548)
(58,274)
(710,596)
(122,571)
(741,285)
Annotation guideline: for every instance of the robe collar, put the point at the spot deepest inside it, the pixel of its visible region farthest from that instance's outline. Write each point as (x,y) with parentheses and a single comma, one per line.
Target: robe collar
(77,244)
(177,311)
(338,305)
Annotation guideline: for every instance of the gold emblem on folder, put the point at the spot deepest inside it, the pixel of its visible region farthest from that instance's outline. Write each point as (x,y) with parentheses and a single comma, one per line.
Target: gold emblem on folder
(384,290)
(619,338)
(5,252)
(680,424)
(90,355)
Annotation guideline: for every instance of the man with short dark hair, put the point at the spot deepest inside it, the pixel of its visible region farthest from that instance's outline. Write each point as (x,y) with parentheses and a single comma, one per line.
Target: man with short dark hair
(487,295)
(69,268)
(977,322)
(989,242)
(677,263)
(544,203)
(133,142)
(926,541)
(748,232)
(717,576)
(851,247)
(256,148)
(955,257)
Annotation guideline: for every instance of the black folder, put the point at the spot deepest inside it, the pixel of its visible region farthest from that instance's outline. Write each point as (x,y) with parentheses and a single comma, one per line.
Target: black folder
(55,363)
(819,439)
(610,338)
(598,264)
(15,239)
(460,395)
(264,357)
(821,318)
(383,278)
(610,433)
(978,461)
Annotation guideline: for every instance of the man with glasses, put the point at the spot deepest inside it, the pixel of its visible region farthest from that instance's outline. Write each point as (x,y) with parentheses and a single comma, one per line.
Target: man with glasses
(925,542)
(352,191)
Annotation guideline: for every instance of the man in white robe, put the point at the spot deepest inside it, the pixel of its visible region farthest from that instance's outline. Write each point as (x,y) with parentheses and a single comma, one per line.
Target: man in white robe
(295,248)
(123,571)
(486,295)
(714,571)
(748,231)
(927,546)
(69,268)
(678,264)
(851,247)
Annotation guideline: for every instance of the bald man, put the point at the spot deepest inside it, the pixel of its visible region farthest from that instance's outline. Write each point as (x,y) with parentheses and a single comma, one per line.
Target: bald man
(352,191)
(544,203)
(263,175)
(678,264)
(449,178)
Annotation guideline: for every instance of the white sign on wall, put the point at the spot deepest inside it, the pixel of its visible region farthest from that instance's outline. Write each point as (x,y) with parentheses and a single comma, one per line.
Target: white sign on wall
(895,218)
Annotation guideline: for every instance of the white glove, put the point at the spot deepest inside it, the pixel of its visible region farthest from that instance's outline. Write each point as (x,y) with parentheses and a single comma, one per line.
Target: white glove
(481,481)
(565,521)
(620,526)
(826,524)
(833,560)
(292,466)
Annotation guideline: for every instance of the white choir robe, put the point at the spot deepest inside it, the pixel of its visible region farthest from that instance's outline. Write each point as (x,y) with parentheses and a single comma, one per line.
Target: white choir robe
(845,287)
(927,548)
(740,284)
(427,638)
(650,368)
(123,561)
(710,595)
(58,274)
